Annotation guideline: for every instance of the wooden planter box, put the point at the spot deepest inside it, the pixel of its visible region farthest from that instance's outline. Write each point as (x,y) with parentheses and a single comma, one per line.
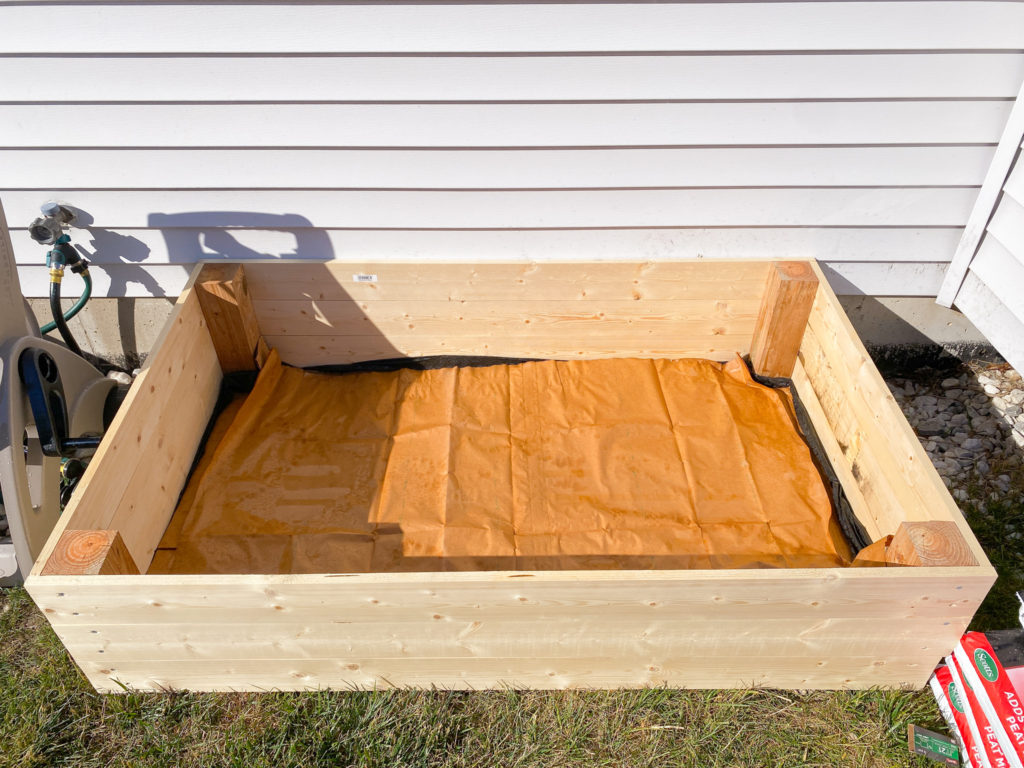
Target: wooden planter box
(786,628)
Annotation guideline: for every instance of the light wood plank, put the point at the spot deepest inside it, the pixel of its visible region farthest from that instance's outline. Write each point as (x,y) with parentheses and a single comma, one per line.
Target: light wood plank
(662,281)
(494,169)
(148,503)
(476,78)
(834,451)
(785,307)
(862,466)
(668,615)
(812,595)
(90,552)
(310,317)
(205,209)
(495,639)
(881,470)
(626,27)
(854,420)
(504,125)
(892,470)
(823,672)
(262,352)
(150,444)
(309,351)
(567,310)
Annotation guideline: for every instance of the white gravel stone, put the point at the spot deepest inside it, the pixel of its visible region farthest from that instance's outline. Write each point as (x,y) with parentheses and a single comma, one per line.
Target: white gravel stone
(972,427)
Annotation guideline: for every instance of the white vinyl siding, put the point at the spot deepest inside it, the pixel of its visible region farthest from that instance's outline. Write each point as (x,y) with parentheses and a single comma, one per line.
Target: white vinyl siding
(857,133)
(992,291)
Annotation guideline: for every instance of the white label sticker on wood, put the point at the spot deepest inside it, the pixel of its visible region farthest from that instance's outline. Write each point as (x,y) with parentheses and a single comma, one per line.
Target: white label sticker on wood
(364,278)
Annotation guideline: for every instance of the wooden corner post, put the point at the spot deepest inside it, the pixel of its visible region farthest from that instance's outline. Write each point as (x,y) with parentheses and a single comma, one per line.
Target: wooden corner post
(83,553)
(932,542)
(224,299)
(785,308)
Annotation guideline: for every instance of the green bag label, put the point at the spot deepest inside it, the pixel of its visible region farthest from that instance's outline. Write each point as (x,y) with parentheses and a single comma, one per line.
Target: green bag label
(986,665)
(935,746)
(954,697)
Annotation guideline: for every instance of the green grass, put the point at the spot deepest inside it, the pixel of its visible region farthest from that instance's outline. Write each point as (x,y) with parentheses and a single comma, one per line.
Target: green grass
(49,715)
(1000,529)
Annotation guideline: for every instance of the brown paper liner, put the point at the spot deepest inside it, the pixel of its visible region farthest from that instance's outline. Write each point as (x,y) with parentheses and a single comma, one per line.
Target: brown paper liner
(597,464)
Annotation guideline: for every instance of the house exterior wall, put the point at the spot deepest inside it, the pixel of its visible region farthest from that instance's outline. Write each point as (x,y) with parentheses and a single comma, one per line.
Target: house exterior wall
(992,290)
(857,133)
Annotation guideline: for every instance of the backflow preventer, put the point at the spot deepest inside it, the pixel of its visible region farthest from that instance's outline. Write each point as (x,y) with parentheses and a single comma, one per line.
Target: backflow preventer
(51,229)
(54,404)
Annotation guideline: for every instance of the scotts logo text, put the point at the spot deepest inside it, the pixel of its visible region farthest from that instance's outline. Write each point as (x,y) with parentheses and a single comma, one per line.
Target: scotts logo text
(986,665)
(954,697)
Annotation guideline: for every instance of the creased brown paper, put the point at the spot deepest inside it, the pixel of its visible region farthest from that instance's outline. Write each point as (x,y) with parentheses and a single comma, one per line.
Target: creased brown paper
(620,463)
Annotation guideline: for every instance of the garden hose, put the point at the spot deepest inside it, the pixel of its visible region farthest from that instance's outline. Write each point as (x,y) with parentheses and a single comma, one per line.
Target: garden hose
(82,300)
(62,255)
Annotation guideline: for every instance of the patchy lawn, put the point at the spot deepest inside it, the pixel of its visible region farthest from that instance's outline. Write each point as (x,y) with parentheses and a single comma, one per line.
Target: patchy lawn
(50,716)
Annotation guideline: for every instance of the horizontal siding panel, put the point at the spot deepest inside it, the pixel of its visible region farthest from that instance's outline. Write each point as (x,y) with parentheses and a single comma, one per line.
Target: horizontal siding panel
(516,78)
(503,125)
(1003,273)
(318,28)
(493,169)
(1007,226)
(186,246)
(851,278)
(110,280)
(479,210)
(1002,326)
(136,281)
(853,132)
(1014,186)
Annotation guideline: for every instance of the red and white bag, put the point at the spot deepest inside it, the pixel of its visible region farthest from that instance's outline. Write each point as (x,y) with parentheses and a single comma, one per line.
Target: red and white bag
(995,692)
(952,706)
(985,735)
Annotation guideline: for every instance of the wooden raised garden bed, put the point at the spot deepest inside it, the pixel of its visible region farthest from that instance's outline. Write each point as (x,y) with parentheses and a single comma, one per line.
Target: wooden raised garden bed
(800,628)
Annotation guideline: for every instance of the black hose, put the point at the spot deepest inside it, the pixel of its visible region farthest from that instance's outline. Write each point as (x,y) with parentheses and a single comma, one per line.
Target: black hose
(58,319)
